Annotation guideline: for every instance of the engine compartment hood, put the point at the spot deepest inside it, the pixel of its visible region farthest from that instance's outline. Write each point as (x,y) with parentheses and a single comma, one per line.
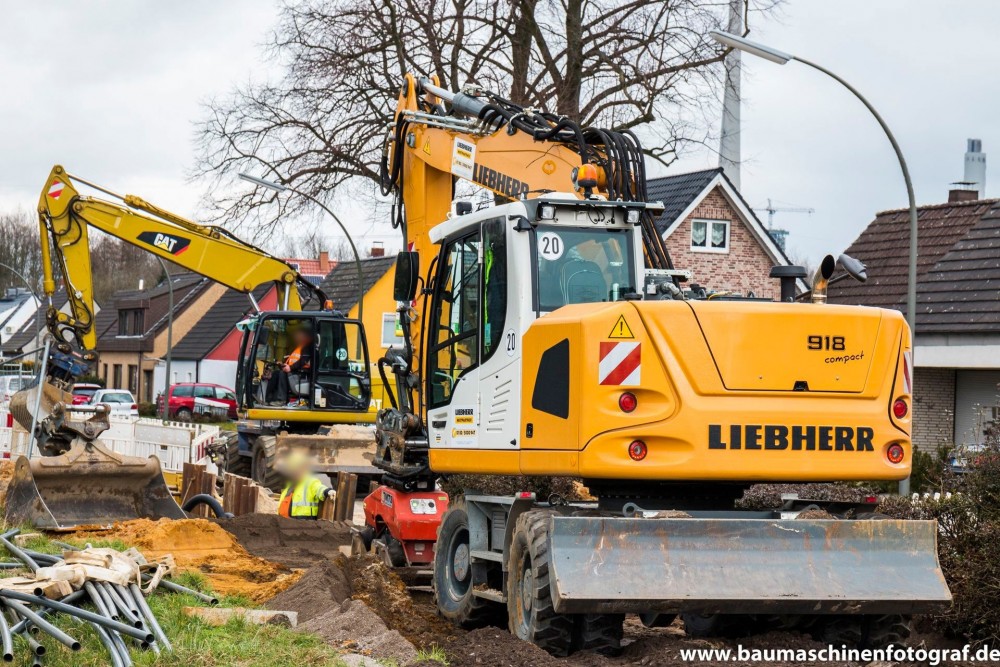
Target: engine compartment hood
(793,347)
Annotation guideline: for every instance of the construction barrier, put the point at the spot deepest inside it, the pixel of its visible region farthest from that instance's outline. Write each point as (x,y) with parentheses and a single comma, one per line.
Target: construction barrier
(175,443)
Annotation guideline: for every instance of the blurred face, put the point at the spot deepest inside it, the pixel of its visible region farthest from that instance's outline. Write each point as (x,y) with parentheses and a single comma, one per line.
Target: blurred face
(301,337)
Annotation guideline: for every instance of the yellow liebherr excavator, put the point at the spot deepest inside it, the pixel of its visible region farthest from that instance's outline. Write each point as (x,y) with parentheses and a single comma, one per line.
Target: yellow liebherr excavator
(552,337)
(77,480)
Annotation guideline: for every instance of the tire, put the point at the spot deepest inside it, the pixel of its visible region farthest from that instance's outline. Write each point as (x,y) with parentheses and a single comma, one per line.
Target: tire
(652,619)
(703,625)
(393,555)
(600,633)
(453,576)
(236,463)
(867,632)
(263,471)
(530,612)
(182,415)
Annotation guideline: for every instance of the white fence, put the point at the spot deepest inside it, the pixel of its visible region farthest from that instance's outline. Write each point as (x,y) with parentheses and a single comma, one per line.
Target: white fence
(175,443)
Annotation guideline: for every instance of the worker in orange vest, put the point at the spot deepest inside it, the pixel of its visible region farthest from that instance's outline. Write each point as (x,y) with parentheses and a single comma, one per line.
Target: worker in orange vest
(303,492)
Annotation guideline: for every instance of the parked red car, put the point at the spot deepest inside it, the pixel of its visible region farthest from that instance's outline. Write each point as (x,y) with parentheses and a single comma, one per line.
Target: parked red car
(83,391)
(183,395)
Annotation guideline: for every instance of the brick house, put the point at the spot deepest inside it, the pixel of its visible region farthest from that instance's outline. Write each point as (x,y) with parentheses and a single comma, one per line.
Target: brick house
(957,344)
(132,330)
(710,230)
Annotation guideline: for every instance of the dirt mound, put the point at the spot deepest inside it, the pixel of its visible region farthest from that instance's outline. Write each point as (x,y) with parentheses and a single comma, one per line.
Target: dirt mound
(321,588)
(385,594)
(357,628)
(497,648)
(291,542)
(204,547)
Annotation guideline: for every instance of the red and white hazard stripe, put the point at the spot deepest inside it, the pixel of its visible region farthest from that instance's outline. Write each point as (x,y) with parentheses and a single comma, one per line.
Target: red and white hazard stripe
(621,364)
(56,189)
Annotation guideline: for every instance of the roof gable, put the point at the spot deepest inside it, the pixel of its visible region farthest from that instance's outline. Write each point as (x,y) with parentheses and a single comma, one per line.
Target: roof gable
(341,284)
(684,192)
(679,194)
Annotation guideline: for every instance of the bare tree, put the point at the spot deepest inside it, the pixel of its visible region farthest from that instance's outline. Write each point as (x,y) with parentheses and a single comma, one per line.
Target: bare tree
(641,64)
(20,251)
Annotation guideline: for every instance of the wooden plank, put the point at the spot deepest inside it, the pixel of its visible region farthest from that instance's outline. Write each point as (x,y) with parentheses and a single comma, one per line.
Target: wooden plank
(221,615)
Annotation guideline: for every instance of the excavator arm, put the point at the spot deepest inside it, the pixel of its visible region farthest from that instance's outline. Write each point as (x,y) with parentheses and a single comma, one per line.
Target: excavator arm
(439,136)
(65,218)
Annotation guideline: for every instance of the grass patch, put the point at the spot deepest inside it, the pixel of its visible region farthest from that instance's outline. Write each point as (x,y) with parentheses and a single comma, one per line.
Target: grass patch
(195,643)
(433,654)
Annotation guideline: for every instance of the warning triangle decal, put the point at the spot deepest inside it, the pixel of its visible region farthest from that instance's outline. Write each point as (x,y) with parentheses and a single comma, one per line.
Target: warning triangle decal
(621,329)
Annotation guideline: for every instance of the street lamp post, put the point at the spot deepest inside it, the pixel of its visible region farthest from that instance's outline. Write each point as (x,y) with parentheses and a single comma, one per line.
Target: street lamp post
(278,187)
(781,58)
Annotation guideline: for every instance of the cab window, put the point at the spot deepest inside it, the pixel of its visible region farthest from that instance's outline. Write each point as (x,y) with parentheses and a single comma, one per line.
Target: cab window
(494,285)
(455,339)
(582,265)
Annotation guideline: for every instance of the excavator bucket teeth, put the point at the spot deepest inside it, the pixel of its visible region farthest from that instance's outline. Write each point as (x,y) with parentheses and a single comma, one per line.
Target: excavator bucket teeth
(753,566)
(88,485)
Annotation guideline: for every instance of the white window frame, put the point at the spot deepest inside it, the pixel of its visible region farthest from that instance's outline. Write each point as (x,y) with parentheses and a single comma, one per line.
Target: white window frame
(385,319)
(708,238)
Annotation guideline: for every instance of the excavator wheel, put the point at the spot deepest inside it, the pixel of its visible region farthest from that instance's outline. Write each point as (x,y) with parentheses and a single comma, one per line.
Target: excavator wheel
(235,463)
(600,633)
(718,625)
(263,463)
(530,611)
(866,632)
(453,577)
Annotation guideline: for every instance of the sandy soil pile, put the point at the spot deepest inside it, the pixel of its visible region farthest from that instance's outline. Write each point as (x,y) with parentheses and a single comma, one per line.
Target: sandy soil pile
(6,473)
(291,542)
(202,546)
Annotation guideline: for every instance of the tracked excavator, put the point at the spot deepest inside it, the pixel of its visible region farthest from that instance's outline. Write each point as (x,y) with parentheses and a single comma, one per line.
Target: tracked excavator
(548,334)
(77,480)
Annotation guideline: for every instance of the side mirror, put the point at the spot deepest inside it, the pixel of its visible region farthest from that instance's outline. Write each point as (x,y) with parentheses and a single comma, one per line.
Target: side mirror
(854,267)
(407,275)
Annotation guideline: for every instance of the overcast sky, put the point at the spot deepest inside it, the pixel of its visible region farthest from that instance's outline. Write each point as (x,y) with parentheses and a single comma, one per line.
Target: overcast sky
(112,90)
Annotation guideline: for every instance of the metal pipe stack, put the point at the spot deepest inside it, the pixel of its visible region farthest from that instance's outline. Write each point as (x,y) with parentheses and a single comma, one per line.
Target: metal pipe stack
(114,610)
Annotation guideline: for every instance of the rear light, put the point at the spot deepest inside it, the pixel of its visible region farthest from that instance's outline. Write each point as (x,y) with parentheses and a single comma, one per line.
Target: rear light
(899,408)
(895,453)
(135,407)
(637,450)
(627,402)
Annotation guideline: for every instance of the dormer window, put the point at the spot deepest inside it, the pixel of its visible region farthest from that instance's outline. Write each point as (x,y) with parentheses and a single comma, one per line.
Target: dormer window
(130,321)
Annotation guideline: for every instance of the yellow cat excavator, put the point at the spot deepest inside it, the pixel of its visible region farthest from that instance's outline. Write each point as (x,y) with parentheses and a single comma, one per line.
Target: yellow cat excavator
(552,336)
(79,481)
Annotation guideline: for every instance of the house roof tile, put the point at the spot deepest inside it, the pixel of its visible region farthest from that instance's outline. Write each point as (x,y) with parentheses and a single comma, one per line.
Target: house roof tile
(341,284)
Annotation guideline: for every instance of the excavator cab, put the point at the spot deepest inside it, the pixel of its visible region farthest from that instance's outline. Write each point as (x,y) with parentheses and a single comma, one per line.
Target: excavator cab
(293,362)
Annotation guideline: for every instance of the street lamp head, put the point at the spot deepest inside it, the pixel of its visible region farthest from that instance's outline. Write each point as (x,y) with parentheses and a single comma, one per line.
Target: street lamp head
(743,44)
(270,185)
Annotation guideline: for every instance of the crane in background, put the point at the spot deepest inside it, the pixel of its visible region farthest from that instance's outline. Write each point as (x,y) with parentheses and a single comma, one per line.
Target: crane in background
(779,235)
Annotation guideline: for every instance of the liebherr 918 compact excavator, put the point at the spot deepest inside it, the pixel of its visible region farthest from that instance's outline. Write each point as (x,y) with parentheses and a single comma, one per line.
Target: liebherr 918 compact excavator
(548,334)
(77,480)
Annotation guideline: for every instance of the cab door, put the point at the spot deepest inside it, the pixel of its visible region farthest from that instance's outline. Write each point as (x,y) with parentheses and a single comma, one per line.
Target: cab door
(452,378)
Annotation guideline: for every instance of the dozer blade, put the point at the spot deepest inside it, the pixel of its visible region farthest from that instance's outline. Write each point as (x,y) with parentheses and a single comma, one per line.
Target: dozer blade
(87,485)
(751,566)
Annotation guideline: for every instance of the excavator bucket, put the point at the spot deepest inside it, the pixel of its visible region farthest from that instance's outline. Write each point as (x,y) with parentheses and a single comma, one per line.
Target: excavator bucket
(753,566)
(88,485)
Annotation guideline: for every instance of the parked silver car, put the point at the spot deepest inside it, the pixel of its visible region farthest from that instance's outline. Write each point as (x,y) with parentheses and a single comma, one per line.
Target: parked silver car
(10,385)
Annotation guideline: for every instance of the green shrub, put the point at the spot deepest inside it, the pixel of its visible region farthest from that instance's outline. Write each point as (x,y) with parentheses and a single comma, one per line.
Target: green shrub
(147,409)
(968,516)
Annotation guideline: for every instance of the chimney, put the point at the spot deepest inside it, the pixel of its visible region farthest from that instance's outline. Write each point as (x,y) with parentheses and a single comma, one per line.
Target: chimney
(975,167)
(324,262)
(960,194)
(378,249)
